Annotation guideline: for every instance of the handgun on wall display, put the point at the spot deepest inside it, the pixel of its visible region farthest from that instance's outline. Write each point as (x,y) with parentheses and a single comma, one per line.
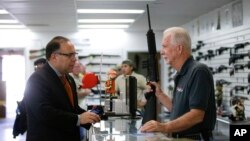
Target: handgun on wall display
(199,45)
(221,68)
(223,82)
(240,46)
(209,55)
(200,56)
(238,88)
(194,49)
(221,50)
(236,67)
(234,57)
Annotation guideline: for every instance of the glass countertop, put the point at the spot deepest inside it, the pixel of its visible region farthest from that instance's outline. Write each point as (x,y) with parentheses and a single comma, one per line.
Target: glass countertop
(122,129)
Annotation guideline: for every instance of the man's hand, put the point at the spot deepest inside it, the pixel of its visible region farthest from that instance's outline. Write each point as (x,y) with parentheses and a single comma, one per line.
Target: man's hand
(141,104)
(157,86)
(152,126)
(89,117)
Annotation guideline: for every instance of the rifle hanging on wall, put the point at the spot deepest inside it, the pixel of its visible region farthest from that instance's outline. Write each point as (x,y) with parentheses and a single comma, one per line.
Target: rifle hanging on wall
(36,53)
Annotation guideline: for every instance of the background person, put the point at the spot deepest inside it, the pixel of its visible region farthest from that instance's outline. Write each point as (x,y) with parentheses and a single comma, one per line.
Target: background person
(77,74)
(39,63)
(127,69)
(193,110)
(51,98)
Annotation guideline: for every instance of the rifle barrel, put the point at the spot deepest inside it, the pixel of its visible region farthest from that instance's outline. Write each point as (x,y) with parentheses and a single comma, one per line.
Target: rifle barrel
(149,22)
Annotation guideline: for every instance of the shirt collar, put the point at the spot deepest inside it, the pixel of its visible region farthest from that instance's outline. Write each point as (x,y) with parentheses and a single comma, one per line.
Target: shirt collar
(132,74)
(186,65)
(57,72)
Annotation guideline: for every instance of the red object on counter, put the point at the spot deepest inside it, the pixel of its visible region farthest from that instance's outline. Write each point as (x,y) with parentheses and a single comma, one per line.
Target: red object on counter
(90,80)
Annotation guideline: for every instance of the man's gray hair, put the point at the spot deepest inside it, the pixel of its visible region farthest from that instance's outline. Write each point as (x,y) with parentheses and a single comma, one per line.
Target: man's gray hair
(180,36)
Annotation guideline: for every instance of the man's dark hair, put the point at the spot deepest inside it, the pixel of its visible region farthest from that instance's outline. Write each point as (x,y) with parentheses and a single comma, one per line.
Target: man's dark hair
(54,45)
(129,62)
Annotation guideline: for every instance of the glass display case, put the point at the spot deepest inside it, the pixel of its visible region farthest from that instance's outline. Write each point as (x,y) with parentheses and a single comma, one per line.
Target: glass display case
(122,129)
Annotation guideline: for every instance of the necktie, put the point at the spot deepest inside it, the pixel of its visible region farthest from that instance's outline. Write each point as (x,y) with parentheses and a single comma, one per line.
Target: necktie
(68,89)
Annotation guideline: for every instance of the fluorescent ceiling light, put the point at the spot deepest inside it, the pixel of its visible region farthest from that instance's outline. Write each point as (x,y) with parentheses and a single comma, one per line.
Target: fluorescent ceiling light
(12,26)
(103,26)
(106,20)
(2,11)
(115,0)
(8,21)
(113,11)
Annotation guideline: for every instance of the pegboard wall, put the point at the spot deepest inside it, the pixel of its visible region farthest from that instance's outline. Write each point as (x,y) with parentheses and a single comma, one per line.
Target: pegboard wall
(228,56)
(225,49)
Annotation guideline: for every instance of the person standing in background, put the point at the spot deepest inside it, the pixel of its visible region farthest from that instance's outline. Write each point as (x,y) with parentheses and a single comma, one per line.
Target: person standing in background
(50,97)
(77,74)
(82,70)
(192,108)
(118,70)
(127,69)
(39,63)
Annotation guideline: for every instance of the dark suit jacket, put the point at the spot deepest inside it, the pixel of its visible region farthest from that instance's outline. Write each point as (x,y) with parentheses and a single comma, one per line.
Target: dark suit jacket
(50,115)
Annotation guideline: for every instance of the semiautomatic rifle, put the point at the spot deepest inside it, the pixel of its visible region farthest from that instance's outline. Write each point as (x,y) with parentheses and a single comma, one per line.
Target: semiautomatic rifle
(153,74)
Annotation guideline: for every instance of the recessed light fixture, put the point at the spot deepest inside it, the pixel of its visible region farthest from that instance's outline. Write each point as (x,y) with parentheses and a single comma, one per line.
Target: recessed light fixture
(8,21)
(113,11)
(103,26)
(106,20)
(12,26)
(116,0)
(2,11)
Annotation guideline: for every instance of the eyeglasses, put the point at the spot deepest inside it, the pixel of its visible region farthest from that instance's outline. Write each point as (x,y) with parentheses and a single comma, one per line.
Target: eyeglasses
(69,55)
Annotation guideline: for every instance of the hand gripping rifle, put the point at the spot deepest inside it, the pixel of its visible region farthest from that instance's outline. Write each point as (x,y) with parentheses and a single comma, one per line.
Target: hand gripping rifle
(153,75)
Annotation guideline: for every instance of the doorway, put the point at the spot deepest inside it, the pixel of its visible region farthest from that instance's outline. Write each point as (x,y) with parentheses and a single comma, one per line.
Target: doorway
(13,74)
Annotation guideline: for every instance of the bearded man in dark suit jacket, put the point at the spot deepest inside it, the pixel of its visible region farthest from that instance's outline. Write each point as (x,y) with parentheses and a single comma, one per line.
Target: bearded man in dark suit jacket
(51,115)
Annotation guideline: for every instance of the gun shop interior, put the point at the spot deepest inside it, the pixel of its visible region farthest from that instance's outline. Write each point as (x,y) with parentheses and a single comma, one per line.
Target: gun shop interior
(121,47)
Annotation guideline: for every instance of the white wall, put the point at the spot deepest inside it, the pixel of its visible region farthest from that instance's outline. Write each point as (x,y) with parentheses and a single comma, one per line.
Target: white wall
(97,41)
(202,28)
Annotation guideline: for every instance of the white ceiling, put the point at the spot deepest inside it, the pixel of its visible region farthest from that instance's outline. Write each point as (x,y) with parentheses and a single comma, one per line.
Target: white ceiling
(61,16)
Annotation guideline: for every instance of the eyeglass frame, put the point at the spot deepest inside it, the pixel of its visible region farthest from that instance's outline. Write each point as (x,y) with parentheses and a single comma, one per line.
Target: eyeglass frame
(69,55)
